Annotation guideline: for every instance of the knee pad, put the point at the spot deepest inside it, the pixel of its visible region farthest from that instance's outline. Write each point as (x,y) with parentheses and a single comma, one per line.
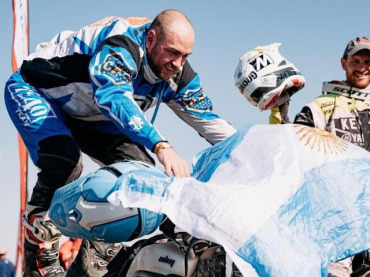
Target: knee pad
(81,209)
(39,228)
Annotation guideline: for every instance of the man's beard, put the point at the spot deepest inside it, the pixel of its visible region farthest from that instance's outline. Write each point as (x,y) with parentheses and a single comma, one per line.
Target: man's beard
(361,84)
(156,70)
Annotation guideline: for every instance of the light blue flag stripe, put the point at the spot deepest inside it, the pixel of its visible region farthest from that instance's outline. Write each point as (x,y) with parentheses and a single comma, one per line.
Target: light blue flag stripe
(312,222)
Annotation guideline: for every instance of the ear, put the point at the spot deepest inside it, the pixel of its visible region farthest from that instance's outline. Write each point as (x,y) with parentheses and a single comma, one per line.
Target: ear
(150,39)
(343,62)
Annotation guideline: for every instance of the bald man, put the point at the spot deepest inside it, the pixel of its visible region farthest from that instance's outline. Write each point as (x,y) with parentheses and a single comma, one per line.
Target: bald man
(87,91)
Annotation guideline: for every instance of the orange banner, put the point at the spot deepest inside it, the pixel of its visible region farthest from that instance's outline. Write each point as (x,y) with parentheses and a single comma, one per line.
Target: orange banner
(19,52)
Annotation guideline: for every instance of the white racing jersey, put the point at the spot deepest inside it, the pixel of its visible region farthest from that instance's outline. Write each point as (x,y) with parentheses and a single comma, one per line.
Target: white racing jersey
(346,115)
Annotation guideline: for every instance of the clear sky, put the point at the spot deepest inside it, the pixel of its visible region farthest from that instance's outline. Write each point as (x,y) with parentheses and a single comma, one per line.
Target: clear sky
(313,36)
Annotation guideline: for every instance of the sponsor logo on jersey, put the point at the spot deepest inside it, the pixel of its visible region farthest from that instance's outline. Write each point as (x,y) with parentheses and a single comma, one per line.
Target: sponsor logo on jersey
(328,111)
(327,104)
(351,92)
(30,108)
(116,69)
(136,123)
(261,62)
(349,130)
(166,260)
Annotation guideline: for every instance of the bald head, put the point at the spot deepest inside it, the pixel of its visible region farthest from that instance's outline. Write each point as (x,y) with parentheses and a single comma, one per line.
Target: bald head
(173,22)
(169,42)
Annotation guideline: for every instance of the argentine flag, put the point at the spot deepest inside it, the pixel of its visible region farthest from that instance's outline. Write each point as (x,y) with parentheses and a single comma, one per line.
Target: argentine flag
(283,200)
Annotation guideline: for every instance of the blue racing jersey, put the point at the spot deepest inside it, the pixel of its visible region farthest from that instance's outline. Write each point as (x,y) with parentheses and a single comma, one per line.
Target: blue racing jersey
(101,73)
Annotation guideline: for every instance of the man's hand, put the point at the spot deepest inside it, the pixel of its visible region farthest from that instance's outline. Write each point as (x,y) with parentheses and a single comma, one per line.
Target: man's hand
(173,163)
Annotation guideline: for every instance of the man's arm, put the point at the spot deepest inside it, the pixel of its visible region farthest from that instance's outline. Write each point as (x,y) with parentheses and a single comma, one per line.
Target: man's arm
(111,72)
(279,114)
(305,117)
(172,162)
(194,107)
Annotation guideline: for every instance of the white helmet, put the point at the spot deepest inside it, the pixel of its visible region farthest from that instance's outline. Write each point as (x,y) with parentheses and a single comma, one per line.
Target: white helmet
(266,78)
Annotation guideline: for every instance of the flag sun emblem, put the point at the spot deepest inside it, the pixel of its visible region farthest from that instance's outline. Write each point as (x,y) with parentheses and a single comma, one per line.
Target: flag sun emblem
(320,140)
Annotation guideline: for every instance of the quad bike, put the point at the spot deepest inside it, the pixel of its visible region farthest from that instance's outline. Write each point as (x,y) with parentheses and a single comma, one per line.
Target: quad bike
(82,209)
(182,255)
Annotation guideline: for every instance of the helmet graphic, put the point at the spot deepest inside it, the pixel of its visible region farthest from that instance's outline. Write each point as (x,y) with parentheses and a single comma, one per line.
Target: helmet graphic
(265,78)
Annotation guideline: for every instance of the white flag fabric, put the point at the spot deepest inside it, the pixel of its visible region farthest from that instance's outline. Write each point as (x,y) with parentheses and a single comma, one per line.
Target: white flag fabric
(284,200)
(20,33)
